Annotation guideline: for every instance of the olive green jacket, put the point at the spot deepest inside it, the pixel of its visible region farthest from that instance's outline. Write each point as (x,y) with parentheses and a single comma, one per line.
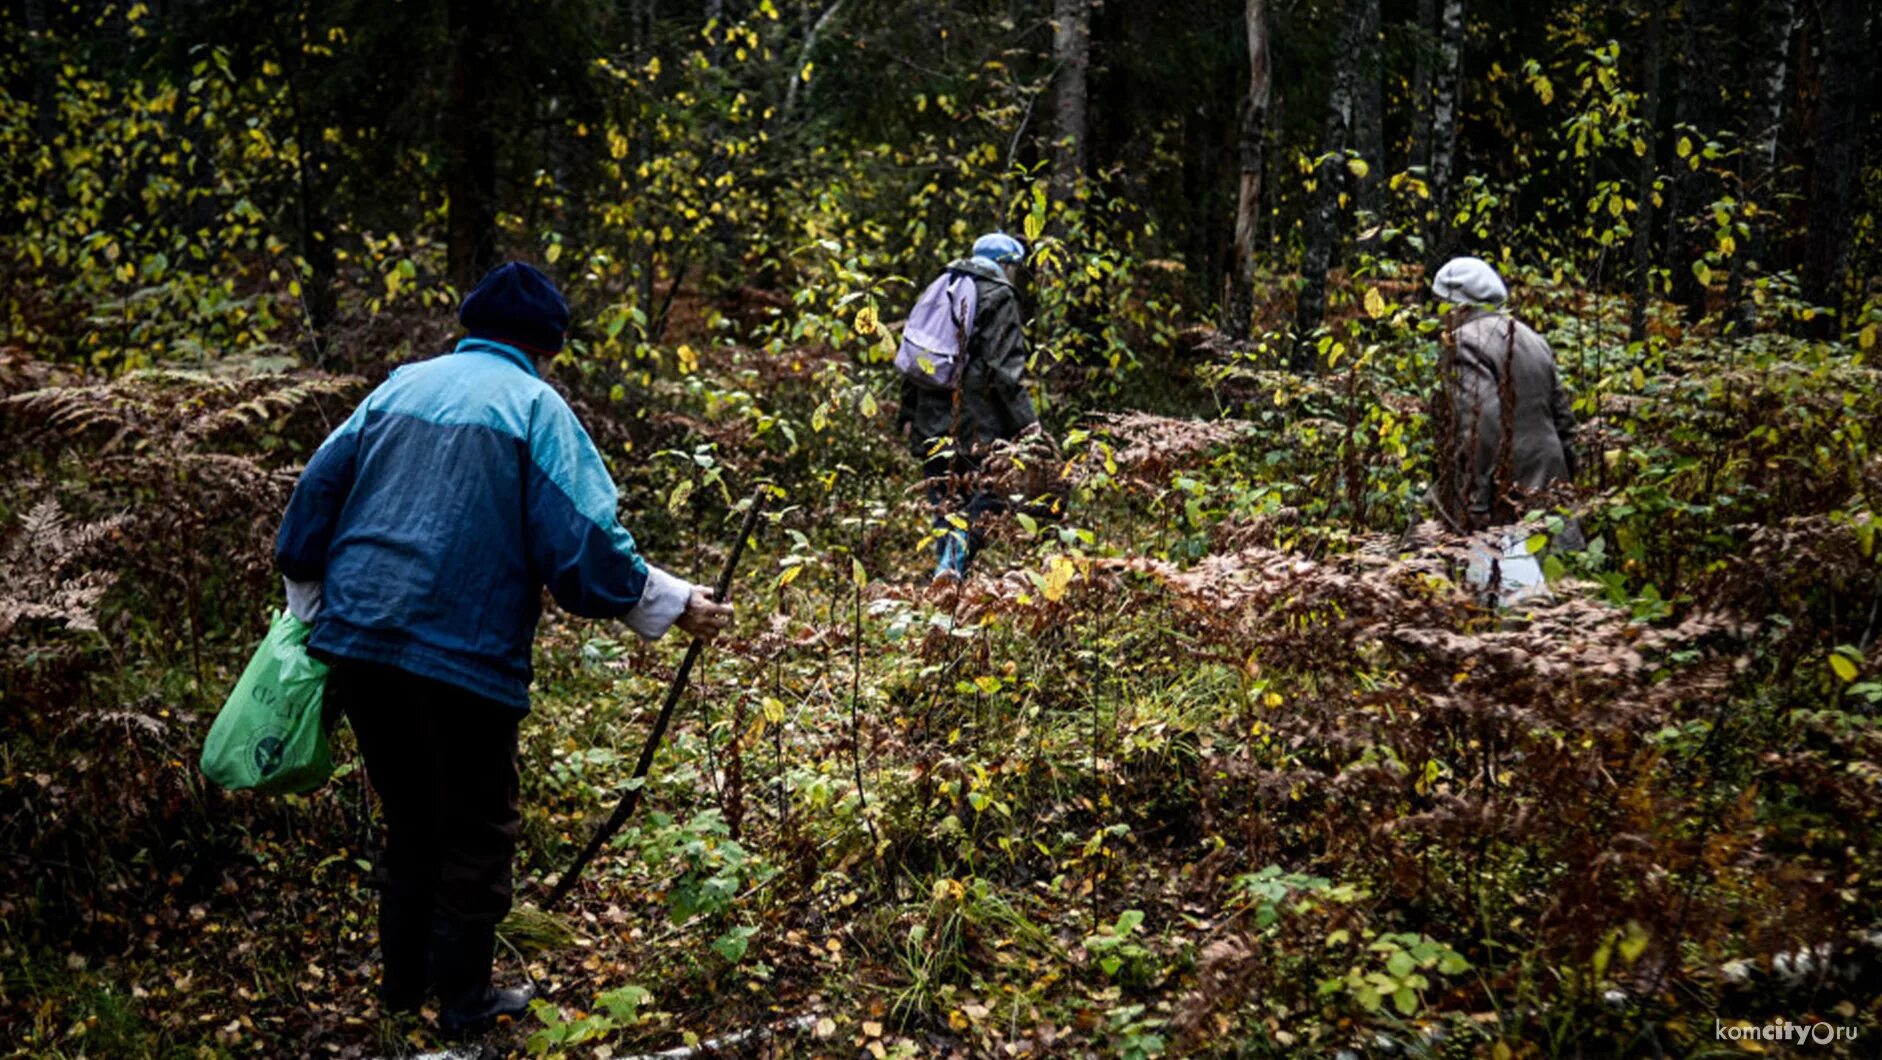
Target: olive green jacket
(994,405)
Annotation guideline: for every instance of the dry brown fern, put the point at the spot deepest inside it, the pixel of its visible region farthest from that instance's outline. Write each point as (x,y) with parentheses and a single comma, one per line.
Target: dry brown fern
(41,579)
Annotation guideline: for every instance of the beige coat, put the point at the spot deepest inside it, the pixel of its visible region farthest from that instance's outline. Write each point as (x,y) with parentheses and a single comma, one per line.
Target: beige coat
(1500,364)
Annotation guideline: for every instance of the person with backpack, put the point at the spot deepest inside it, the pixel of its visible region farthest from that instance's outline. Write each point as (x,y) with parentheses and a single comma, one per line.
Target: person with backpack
(417,543)
(962,359)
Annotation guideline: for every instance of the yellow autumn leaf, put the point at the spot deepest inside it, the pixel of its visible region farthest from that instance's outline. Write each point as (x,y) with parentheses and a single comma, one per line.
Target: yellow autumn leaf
(866,320)
(857,574)
(1059,573)
(1866,338)
(553,252)
(1843,667)
(689,360)
(1358,167)
(1375,303)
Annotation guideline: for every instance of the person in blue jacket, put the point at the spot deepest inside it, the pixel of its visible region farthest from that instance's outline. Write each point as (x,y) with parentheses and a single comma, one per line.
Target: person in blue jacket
(418,542)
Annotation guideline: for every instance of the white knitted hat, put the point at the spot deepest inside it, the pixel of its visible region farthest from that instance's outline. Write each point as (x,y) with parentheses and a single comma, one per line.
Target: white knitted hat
(1469,281)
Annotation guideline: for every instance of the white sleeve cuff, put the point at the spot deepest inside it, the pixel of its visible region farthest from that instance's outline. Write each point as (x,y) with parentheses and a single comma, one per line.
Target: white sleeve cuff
(303,599)
(662,602)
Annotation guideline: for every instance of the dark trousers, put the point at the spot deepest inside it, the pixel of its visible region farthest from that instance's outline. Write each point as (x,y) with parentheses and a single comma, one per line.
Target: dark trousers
(443,763)
(952,492)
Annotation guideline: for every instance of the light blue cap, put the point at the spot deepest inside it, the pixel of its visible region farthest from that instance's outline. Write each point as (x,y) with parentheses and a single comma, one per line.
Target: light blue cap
(998,247)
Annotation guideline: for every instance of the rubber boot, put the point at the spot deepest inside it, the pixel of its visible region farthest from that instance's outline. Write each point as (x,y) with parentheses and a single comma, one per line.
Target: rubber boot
(950,558)
(460,960)
(404,951)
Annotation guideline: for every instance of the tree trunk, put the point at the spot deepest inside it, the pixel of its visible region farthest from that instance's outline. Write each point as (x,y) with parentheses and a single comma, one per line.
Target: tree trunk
(1241,300)
(712,13)
(1690,187)
(1776,20)
(1644,174)
(314,185)
(43,61)
(641,36)
(470,143)
(1369,119)
(1841,124)
(1321,224)
(804,55)
(1419,104)
(1071,48)
(1443,137)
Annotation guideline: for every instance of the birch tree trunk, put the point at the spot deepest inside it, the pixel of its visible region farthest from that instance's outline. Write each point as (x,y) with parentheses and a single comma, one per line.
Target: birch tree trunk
(804,54)
(1250,149)
(1321,224)
(1446,89)
(1071,48)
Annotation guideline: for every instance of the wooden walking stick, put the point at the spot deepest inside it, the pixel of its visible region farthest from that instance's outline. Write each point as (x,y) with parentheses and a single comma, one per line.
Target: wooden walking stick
(625,808)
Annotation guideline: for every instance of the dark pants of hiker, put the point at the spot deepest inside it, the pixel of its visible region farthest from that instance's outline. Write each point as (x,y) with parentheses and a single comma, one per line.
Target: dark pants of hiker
(443,763)
(952,493)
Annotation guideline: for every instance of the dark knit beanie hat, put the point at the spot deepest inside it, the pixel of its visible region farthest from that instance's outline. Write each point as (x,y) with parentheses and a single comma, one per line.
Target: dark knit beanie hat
(517,304)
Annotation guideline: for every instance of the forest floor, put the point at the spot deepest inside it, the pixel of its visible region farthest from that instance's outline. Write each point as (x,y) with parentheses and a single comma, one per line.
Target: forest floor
(1198,766)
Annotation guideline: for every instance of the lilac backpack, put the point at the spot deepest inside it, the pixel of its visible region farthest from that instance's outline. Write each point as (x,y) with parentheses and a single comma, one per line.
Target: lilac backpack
(934,342)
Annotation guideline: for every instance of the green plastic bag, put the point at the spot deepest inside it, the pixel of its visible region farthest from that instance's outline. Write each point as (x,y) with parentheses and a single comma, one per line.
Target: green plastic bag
(269,736)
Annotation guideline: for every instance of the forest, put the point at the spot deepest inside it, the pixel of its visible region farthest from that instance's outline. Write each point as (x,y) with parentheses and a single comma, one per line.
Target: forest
(1222,746)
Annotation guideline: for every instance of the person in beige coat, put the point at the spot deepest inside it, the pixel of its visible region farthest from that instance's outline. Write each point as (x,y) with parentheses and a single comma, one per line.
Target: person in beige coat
(1502,413)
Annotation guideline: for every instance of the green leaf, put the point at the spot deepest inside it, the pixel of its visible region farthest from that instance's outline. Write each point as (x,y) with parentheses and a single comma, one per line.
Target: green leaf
(733,943)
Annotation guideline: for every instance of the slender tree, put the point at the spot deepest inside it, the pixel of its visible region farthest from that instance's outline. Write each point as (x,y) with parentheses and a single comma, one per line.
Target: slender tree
(812,34)
(470,142)
(1321,228)
(1071,48)
(1446,89)
(1645,168)
(1420,102)
(1251,158)
(1842,117)
(1369,115)
(1771,58)
(1691,187)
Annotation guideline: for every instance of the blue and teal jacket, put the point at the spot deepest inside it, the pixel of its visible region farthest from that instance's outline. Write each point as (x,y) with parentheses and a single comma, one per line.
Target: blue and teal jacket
(434,516)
